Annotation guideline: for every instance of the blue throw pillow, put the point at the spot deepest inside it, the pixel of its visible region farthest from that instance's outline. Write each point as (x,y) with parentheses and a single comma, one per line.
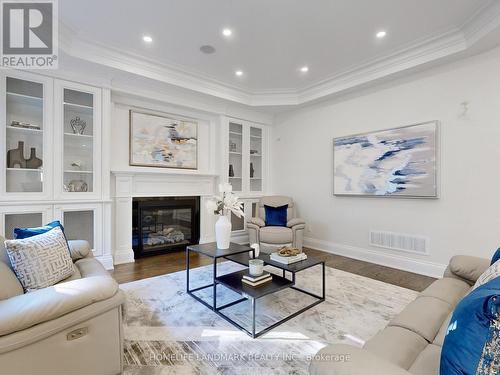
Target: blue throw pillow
(276,216)
(472,342)
(495,257)
(20,233)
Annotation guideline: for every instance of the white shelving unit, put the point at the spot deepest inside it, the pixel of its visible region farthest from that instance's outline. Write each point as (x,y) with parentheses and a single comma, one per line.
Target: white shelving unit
(35,196)
(245,166)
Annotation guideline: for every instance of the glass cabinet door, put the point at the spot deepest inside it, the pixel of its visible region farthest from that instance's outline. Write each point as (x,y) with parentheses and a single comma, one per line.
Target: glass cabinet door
(78,139)
(235,170)
(24,136)
(255,159)
(21,220)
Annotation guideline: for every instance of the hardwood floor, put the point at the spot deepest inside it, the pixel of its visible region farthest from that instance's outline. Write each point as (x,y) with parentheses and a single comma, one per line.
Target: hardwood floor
(173,262)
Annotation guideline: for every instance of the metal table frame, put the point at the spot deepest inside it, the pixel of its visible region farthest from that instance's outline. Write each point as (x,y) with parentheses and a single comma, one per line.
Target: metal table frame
(217,309)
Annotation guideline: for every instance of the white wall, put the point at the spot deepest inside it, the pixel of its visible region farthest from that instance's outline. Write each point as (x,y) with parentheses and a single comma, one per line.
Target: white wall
(464,220)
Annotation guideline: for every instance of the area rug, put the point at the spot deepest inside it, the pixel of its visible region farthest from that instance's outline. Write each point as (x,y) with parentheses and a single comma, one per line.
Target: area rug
(169,332)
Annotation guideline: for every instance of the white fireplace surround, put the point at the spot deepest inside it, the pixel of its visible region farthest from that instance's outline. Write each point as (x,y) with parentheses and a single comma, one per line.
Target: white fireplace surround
(130,184)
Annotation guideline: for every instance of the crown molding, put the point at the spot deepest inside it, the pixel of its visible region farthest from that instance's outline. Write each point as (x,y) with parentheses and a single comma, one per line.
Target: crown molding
(449,43)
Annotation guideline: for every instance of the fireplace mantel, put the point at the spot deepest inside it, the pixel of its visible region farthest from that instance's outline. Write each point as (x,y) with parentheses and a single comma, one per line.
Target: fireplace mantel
(135,182)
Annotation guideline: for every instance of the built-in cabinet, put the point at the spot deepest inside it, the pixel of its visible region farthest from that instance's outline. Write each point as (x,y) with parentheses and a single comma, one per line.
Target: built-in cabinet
(245,165)
(52,157)
(246,157)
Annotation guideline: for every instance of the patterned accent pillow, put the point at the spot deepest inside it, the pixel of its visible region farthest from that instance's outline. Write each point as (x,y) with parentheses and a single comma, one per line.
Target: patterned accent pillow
(491,273)
(40,261)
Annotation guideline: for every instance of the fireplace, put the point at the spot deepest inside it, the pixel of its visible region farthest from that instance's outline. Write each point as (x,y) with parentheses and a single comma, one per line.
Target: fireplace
(164,224)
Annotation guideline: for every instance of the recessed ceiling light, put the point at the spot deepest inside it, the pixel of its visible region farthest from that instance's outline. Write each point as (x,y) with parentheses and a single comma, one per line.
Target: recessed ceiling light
(227,32)
(239,73)
(381,34)
(147,38)
(304,69)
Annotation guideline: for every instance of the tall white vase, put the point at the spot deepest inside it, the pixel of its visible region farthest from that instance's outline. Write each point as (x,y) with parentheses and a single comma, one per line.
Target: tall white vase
(223,232)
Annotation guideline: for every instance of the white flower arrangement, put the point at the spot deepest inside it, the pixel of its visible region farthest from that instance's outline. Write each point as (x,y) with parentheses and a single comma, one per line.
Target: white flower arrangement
(226,202)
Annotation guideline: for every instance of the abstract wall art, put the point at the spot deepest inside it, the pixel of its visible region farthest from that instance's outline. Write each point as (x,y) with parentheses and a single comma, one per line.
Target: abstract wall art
(399,162)
(158,141)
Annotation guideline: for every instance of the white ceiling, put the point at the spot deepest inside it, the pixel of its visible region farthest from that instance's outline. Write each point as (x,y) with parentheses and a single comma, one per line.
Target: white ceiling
(271,39)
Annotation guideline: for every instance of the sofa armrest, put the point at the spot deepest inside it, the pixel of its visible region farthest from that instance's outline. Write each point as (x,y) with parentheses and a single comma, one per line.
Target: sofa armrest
(79,249)
(467,268)
(257,221)
(26,310)
(341,359)
(294,222)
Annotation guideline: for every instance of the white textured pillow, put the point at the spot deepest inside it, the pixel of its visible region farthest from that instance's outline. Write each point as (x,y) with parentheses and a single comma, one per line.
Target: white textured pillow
(491,273)
(40,261)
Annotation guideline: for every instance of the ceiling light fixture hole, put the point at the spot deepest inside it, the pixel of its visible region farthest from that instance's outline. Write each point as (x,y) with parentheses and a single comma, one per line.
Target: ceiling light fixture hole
(207,49)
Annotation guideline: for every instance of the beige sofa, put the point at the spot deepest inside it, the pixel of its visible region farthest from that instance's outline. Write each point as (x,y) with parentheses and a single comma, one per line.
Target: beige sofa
(411,343)
(270,238)
(73,327)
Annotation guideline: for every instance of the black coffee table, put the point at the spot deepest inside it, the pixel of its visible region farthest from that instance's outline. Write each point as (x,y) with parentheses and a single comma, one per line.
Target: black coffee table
(241,254)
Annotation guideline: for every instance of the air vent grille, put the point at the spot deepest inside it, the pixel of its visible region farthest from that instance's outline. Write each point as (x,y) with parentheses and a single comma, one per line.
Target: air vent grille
(400,242)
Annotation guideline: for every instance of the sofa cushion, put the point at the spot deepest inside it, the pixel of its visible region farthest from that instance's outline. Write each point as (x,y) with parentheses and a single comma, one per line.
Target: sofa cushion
(468,267)
(472,342)
(442,331)
(276,216)
(90,267)
(276,235)
(79,249)
(447,289)
(24,311)
(9,284)
(427,362)
(397,345)
(40,261)
(423,316)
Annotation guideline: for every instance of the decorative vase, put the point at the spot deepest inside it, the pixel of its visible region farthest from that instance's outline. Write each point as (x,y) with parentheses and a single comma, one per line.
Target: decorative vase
(33,162)
(231,170)
(223,232)
(252,171)
(15,157)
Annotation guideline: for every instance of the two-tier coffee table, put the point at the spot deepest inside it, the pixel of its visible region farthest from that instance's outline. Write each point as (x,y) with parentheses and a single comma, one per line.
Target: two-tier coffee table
(241,254)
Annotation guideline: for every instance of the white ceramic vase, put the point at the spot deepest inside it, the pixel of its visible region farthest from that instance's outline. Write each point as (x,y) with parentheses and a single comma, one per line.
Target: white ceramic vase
(223,232)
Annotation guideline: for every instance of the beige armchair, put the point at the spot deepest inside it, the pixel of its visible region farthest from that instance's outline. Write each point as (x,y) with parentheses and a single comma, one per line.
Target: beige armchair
(272,237)
(74,327)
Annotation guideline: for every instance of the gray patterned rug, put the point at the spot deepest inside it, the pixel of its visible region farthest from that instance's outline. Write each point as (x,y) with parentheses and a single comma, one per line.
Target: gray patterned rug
(169,332)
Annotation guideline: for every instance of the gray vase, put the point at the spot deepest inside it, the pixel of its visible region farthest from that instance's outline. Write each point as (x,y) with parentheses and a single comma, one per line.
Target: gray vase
(33,162)
(15,157)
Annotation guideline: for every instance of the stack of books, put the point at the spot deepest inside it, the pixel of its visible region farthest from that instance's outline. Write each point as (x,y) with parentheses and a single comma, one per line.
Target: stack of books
(288,260)
(256,280)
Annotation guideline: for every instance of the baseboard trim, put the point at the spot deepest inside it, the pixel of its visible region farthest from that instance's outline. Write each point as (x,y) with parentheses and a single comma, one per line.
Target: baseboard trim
(121,257)
(421,267)
(106,261)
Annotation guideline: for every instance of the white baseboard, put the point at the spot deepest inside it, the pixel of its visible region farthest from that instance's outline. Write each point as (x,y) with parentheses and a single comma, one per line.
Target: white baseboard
(106,261)
(122,256)
(421,267)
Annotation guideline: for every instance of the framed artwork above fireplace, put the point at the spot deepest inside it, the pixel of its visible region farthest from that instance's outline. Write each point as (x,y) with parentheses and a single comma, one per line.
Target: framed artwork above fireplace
(161,141)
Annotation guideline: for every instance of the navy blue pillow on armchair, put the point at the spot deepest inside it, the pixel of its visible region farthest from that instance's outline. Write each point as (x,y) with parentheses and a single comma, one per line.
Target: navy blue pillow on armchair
(276,216)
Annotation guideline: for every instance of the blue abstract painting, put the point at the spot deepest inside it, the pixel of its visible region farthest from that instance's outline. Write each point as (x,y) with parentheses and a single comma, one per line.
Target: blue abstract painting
(396,162)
